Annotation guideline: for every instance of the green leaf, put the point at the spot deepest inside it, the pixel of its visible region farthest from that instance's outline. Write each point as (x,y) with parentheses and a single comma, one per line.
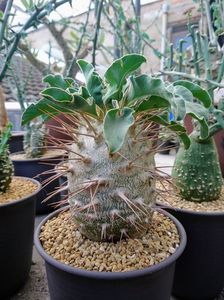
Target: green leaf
(84,92)
(116,124)
(199,113)
(117,73)
(175,127)
(204,129)
(181,96)
(57,94)
(221,104)
(46,107)
(154,102)
(199,93)
(144,86)
(58,81)
(93,81)
(219,115)
(184,105)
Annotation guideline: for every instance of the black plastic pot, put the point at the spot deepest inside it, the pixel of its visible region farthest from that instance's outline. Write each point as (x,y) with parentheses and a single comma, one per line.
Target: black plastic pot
(16,242)
(199,272)
(68,283)
(16,141)
(34,168)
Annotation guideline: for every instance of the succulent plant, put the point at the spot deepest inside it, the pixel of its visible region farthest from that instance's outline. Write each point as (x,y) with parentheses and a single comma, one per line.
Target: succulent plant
(197,170)
(6,166)
(111,169)
(34,142)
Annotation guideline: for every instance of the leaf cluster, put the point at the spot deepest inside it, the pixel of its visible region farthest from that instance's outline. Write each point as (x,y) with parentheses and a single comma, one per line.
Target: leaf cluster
(120,97)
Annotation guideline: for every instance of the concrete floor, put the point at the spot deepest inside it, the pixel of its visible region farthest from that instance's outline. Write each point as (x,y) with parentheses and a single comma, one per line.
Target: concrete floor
(36,285)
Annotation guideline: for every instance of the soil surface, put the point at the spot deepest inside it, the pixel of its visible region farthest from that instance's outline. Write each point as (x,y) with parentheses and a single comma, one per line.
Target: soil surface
(62,240)
(48,154)
(19,188)
(168,196)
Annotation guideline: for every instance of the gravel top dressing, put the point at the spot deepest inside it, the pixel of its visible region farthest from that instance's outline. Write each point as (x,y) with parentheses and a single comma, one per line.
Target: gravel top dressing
(170,198)
(63,241)
(19,188)
(48,154)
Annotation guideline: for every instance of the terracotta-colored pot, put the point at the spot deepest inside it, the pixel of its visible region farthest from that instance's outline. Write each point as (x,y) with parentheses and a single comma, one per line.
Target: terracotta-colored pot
(54,132)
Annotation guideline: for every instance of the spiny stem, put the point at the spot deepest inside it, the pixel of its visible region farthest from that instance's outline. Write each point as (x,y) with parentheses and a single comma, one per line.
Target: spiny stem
(95,40)
(39,14)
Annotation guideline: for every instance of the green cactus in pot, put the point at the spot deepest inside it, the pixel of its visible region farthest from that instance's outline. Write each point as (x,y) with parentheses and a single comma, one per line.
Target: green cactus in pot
(6,166)
(111,169)
(196,170)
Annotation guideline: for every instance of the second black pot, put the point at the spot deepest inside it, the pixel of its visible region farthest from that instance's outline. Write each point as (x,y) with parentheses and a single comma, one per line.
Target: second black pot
(35,168)
(199,272)
(16,242)
(16,141)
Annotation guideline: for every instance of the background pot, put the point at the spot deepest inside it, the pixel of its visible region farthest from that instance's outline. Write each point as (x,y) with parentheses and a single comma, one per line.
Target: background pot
(34,168)
(199,271)
(16,141)
(52,132)
(70,283)
(63,182)
(16,242)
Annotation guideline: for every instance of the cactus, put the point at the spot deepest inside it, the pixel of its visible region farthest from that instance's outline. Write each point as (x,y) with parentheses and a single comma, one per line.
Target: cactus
(6,166)
(197,171)
(34,139)
(111,169)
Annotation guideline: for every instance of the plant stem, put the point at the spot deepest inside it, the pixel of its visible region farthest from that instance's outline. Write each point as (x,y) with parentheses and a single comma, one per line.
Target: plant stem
(73,61)
(39,14)
(5,20)
(95,40)
(191,77)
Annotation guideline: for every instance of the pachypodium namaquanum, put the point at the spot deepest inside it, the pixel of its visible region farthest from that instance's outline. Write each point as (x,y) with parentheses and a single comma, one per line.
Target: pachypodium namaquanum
(6,166)
(111,168)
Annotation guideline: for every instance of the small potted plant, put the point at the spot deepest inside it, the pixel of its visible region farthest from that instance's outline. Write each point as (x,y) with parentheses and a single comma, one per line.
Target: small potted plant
(111,187)
(17,215)
(37,161)
(39,155)
(199,206)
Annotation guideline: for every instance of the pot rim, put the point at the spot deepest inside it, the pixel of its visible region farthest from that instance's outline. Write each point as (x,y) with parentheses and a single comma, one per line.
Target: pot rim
(16,133)
(111,275)
(37,158)
(38,185)
(192,212)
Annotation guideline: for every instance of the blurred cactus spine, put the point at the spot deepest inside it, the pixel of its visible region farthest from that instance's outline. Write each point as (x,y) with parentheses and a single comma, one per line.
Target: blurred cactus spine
(6,166)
